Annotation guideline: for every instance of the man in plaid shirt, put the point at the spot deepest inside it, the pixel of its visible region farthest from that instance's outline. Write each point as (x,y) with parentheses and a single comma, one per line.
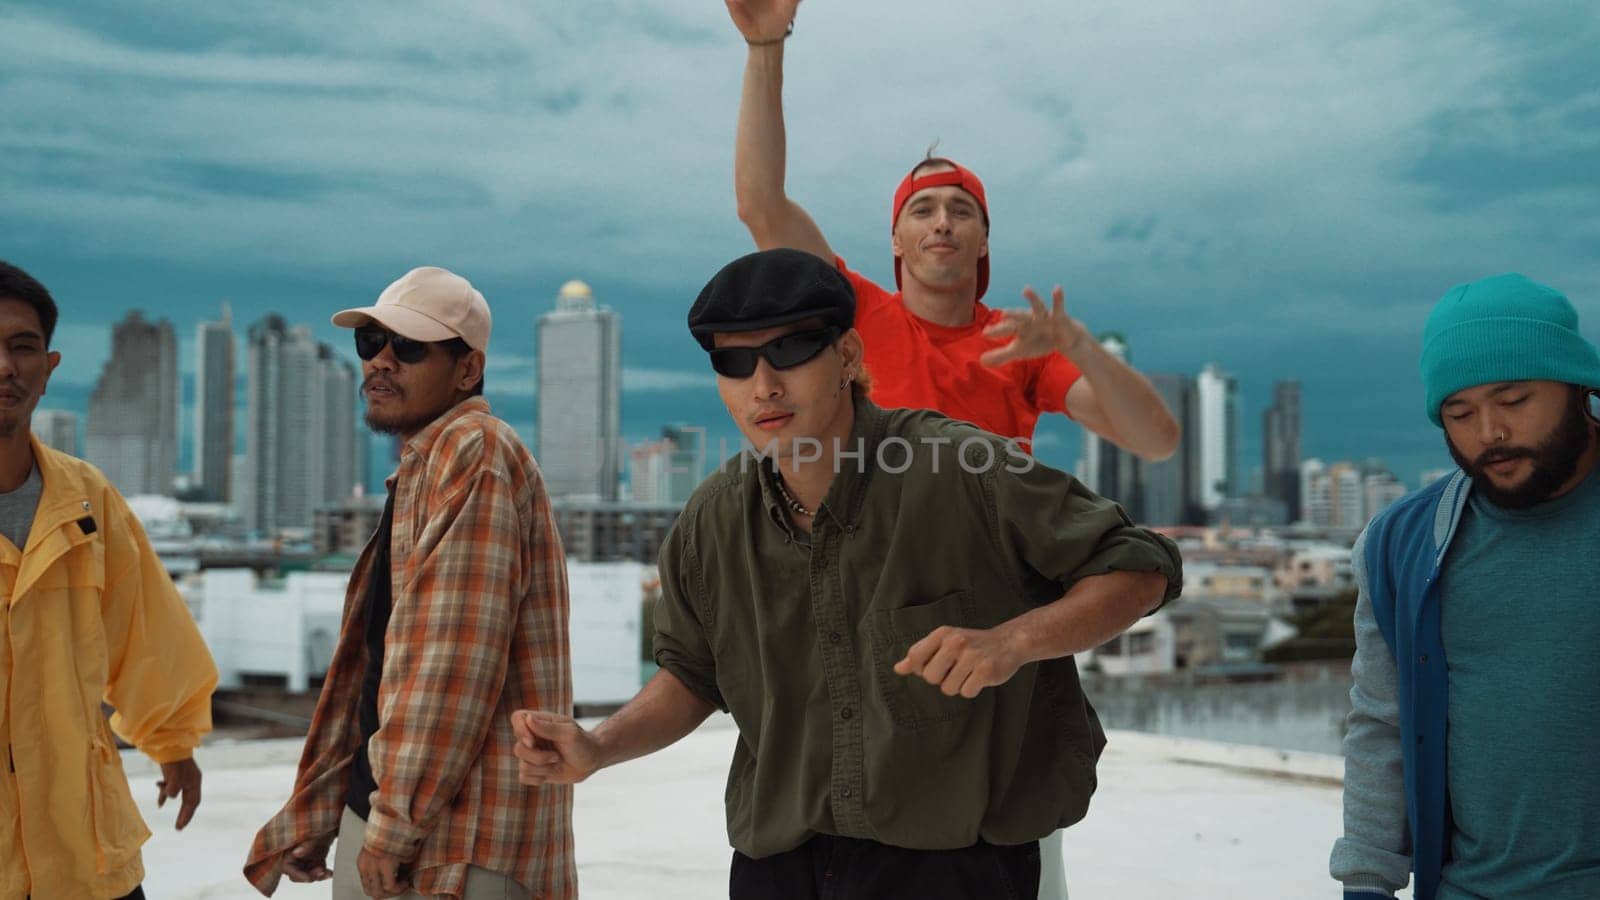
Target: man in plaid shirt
(456,615)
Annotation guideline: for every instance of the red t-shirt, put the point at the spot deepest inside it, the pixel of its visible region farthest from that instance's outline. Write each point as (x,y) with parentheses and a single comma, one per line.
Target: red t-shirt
(923,365)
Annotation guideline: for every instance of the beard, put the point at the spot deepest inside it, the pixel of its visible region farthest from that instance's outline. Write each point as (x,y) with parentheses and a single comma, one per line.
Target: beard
(401,424)
(397,422)
(1555,460)
(397,425)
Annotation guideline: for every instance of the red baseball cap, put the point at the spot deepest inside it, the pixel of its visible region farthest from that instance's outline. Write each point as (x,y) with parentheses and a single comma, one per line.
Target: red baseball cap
(961,177)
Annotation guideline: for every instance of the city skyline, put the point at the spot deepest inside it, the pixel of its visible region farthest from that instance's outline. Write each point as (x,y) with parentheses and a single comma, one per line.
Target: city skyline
(1293,215)
(313,462)
(507,392)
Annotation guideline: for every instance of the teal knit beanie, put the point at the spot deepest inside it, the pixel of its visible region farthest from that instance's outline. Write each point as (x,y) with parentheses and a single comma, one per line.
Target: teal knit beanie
(1503,328)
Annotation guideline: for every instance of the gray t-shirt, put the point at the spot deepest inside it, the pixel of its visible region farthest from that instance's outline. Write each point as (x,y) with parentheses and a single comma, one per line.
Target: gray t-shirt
(17,509)
(1521,619)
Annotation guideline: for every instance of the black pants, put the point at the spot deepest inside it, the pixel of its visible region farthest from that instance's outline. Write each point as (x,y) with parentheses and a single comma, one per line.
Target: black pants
(138,894)
(836,868)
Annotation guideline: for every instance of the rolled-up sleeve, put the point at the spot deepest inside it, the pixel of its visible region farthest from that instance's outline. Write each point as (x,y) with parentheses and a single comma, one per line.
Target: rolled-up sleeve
(1058,528)
(683,616)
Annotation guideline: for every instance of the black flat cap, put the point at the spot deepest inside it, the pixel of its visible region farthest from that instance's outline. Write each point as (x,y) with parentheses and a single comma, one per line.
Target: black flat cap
(772,288)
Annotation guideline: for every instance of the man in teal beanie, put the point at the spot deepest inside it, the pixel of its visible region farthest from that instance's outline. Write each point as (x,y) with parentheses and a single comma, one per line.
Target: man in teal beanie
(1470,749)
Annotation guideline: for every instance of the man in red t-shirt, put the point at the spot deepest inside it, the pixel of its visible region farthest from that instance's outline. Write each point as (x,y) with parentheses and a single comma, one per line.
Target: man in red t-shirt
(934,344)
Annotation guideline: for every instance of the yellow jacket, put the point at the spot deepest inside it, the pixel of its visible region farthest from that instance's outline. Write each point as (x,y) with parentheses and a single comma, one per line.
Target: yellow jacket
(88,613)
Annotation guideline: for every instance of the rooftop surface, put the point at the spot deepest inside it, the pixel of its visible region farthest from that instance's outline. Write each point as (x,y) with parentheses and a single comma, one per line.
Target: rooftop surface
(1172,818)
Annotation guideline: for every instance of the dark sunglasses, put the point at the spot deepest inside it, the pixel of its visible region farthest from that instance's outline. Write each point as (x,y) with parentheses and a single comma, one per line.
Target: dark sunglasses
(781,353)
(370,341)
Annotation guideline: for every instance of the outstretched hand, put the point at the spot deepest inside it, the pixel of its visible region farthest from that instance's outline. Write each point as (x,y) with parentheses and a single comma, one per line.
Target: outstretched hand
(762,21)
(552,749)
(1037,331)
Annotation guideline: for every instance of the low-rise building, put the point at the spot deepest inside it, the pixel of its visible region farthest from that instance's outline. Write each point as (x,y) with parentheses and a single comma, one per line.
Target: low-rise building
(281,632)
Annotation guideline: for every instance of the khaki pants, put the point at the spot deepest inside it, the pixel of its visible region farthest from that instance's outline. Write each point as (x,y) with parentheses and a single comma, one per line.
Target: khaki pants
(482,884)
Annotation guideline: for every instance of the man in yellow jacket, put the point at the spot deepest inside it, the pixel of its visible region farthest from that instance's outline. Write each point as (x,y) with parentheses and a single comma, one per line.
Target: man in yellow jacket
(88,614)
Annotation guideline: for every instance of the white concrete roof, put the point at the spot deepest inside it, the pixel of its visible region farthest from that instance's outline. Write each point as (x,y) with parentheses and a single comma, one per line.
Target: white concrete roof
(1172,818)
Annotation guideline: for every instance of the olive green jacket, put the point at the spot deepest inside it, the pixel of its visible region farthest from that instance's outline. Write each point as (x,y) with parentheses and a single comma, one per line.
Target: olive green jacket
(933,523)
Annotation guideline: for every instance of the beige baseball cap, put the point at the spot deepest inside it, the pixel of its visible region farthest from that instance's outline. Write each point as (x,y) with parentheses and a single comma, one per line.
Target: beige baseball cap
(427,304)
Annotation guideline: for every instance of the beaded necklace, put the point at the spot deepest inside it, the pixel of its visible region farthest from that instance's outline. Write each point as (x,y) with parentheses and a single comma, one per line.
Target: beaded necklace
(789,499)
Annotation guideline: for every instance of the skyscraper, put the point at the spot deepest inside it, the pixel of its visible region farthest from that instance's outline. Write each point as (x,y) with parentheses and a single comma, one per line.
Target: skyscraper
(580,396)
(1167,487)
(56,428)
(335,427)
(133,412)
(1107,469)
(1280,442)
(213,408)
(300,437)
(1217,397)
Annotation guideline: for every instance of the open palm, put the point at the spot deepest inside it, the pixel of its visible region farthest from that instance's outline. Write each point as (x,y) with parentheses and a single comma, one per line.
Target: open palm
(1035,331)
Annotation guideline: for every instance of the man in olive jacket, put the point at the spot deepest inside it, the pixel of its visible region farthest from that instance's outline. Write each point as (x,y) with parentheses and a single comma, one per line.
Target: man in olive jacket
(887,602)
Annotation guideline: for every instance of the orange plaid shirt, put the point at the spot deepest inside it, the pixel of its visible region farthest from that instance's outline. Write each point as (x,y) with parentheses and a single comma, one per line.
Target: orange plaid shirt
(478,629)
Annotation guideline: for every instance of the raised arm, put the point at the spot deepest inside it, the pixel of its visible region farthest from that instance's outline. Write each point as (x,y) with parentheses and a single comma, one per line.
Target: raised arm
(1114,401)
(759,157)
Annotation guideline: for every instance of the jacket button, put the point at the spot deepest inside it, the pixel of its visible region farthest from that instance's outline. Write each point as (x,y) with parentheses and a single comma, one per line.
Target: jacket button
(833,637)
(845,713)
(1419,739)
(1423,658)
(846,793)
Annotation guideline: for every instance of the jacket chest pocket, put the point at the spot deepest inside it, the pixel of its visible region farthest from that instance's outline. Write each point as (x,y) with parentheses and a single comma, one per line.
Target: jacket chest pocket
(76,581)
(913,702)
(79,564)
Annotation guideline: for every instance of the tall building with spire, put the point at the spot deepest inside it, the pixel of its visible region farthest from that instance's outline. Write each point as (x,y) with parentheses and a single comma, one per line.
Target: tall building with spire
(213,408)
(580,396)
(133,411)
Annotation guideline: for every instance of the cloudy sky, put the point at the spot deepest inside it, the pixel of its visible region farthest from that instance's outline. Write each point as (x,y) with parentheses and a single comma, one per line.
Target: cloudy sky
(1280,188)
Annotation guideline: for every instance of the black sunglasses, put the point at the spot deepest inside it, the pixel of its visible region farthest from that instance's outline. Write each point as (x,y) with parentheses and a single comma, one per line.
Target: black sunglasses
(371,339)
(782,352)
